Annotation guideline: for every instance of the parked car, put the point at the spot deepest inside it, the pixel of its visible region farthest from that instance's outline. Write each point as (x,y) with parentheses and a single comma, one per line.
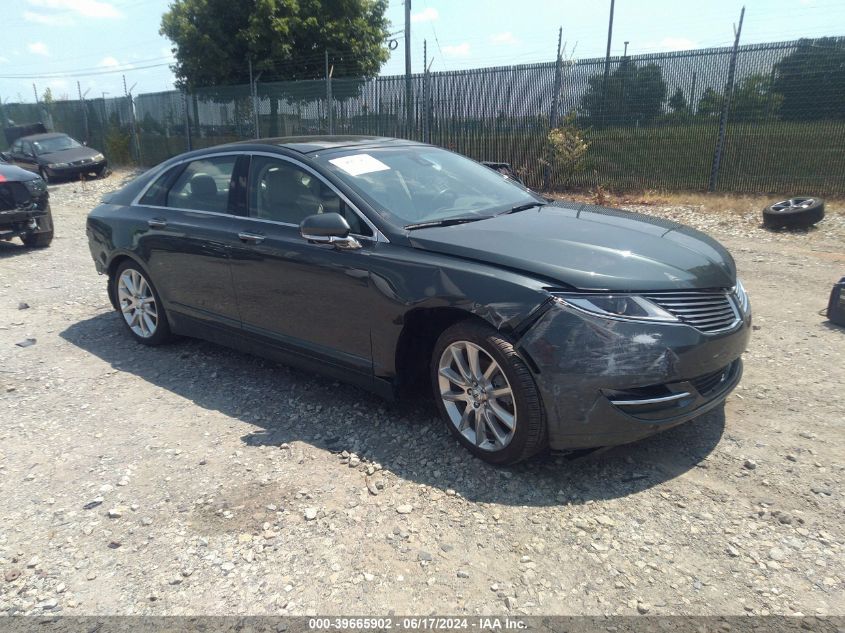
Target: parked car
(56,156)
(387,263)
(24,207)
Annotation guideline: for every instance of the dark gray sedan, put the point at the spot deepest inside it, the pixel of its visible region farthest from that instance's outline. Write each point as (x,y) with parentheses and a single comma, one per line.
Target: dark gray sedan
(55,156)
(391,264)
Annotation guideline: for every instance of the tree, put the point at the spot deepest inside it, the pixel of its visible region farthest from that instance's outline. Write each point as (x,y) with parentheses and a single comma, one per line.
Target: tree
(678,102)
(214,40)
(754,99)
(634,96)
(812,80)
(710,103)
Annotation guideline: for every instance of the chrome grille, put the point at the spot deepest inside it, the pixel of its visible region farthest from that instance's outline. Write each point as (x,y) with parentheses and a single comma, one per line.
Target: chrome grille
(705,311)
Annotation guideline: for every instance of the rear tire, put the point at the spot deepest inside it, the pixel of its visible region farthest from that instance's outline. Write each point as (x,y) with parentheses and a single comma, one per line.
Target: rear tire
(486,394)
(139,305)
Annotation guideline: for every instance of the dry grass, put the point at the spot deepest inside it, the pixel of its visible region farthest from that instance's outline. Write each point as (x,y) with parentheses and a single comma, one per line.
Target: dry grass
(718,203)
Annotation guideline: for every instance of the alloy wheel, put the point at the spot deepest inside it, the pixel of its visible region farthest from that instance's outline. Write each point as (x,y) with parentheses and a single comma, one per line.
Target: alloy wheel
(137,303)
(793,203)
(477,396)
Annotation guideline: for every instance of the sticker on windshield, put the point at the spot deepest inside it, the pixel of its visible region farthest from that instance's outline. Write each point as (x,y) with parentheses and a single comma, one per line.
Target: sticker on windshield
(359,164)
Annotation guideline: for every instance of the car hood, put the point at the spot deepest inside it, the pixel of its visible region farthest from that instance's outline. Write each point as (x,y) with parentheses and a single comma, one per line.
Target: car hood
(67,155)
(589,248)
(14,173)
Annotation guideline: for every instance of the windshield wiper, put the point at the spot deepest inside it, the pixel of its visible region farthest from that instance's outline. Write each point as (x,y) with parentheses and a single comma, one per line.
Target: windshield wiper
(446,222)
(523,207)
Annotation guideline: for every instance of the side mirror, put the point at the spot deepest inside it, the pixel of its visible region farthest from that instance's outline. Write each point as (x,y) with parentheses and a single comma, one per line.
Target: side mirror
(328,228)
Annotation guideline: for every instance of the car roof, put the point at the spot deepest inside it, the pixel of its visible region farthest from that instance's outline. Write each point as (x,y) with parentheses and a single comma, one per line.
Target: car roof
(312,144)
(42,137)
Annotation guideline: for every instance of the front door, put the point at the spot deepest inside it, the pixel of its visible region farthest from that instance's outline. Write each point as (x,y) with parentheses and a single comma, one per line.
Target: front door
(309,298)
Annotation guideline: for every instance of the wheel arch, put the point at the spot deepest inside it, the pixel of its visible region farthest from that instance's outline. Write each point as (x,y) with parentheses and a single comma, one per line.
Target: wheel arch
(420,331)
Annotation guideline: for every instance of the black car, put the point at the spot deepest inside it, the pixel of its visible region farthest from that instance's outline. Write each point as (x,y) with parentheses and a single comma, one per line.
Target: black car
(24,207)
(390,263)
(56,156)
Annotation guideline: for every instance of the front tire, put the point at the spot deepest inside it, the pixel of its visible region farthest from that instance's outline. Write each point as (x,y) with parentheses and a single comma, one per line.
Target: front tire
(40,239)
(139,305)
(486,394)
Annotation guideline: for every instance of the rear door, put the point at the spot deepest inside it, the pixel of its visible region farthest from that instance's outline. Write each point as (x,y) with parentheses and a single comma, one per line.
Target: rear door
(191,226)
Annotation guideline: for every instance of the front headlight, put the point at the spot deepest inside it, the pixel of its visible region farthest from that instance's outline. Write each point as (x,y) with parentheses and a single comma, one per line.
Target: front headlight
(99,157)
(59,165)
(615,306)
(742,297)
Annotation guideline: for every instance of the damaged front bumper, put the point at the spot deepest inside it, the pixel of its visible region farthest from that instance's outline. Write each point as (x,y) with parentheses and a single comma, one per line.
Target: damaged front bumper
(24,221)
(608,382)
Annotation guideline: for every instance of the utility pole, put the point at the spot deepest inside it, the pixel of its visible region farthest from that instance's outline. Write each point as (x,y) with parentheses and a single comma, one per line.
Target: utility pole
(553,115)
(329,113)
(425,93)
(409,88)
(607,59)
(84,111)
(35,92)
(132,127)
(625,54)
(726,106)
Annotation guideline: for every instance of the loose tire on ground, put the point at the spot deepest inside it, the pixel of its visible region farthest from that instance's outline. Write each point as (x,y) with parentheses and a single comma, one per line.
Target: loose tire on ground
(795,213)
(161,333)
(529,428)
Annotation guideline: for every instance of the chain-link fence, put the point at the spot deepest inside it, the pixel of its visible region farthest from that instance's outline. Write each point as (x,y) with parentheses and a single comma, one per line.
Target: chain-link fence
(636,122)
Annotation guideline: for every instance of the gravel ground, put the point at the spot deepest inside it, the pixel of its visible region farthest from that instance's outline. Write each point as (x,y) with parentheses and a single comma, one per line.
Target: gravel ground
(190,479)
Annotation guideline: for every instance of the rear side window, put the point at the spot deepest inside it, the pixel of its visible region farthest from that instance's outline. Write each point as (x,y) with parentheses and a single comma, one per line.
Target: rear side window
(156,195)
(204,185)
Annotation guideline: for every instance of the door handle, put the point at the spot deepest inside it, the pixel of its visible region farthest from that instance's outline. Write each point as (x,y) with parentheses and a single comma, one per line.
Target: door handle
(252,238)
(157,223)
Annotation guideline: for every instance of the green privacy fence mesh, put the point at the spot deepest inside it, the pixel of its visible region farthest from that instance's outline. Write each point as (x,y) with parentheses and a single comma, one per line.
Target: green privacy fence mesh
(649,122)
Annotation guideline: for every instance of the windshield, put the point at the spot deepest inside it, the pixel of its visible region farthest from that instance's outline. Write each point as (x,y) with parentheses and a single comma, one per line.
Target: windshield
(420,184)
(55,144)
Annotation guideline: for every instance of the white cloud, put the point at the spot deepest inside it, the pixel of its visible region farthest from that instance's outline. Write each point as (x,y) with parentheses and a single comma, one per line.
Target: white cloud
(429,14)
(503,39)
(673,44)
(38,48)
(4,60)
(458,50)
(84,8)
(112,62)
(48,19)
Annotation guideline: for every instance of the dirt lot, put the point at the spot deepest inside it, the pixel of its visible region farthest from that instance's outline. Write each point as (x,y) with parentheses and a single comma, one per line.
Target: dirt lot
(190,479)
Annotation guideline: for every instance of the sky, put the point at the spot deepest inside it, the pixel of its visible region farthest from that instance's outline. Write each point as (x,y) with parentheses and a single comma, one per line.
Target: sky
(57,43)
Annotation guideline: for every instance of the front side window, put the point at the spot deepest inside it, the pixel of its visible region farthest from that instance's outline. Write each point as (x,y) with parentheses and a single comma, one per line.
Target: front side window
(204,185)
(414,184)
(284,192)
